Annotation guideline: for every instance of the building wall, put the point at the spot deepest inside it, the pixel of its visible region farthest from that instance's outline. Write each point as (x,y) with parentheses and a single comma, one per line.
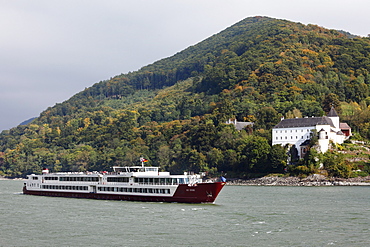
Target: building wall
(285,136)
(291,136)
(296,136)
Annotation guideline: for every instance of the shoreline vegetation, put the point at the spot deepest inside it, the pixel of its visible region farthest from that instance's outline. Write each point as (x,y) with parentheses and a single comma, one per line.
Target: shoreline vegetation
(312,180)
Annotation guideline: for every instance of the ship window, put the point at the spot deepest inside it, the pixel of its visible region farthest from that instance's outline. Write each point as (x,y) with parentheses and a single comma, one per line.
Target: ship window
(117,179)
(35,178)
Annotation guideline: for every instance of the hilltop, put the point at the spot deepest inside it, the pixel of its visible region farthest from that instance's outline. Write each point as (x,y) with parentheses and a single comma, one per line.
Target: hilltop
(174,111)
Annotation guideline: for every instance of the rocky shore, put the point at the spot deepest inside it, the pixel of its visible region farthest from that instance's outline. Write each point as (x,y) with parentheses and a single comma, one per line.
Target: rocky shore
(312,180)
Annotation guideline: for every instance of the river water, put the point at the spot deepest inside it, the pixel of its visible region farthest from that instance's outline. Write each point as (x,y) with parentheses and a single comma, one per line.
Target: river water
(241,216)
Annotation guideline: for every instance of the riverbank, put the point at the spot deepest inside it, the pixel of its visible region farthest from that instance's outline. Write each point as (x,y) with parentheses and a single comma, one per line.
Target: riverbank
(312,180)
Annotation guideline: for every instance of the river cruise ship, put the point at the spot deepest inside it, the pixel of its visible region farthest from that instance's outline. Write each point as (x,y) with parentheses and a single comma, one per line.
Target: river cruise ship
(136,183)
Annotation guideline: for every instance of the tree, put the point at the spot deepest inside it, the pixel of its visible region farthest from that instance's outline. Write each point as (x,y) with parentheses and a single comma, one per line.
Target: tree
(267,118)
(278,158)
(331,100)
(336,165)
(254,153)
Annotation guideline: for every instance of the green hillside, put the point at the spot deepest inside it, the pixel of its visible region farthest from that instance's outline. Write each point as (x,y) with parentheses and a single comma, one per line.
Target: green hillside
(173,112)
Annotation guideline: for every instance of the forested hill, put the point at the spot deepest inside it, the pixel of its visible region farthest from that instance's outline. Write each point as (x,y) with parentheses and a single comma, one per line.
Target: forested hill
(173,111)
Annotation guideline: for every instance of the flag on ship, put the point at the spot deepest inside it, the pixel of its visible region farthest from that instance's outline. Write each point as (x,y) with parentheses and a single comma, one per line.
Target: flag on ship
(143,160)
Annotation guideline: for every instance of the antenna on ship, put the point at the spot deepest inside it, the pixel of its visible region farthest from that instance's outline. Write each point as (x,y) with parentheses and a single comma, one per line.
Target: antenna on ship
(142,160)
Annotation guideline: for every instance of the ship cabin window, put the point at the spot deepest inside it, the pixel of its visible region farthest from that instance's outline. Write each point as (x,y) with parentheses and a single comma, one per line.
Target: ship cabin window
(35,178)
(63,187)
(51,178)
(118,179)
(80,179)
(151,169)
(135,190)
(161,181)
(183,180)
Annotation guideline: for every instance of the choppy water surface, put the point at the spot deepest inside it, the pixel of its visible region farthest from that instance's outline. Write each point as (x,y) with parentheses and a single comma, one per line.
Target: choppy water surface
(241,216)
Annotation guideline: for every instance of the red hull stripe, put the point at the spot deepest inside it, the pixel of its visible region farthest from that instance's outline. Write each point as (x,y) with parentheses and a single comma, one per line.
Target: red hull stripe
(201,193)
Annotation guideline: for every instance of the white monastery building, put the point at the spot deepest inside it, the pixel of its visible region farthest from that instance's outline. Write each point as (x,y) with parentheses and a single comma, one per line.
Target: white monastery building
(298,132)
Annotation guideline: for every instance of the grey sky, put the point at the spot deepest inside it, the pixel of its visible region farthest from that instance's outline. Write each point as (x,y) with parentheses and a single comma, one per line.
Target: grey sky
(52,49)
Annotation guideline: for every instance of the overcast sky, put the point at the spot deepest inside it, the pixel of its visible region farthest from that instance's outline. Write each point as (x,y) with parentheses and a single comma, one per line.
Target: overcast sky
(52,49)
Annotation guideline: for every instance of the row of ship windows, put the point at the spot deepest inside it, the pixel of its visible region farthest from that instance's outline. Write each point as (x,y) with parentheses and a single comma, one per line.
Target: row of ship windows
(135,190)
(79,179)
(87,179)
(167,181)
(64,187)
